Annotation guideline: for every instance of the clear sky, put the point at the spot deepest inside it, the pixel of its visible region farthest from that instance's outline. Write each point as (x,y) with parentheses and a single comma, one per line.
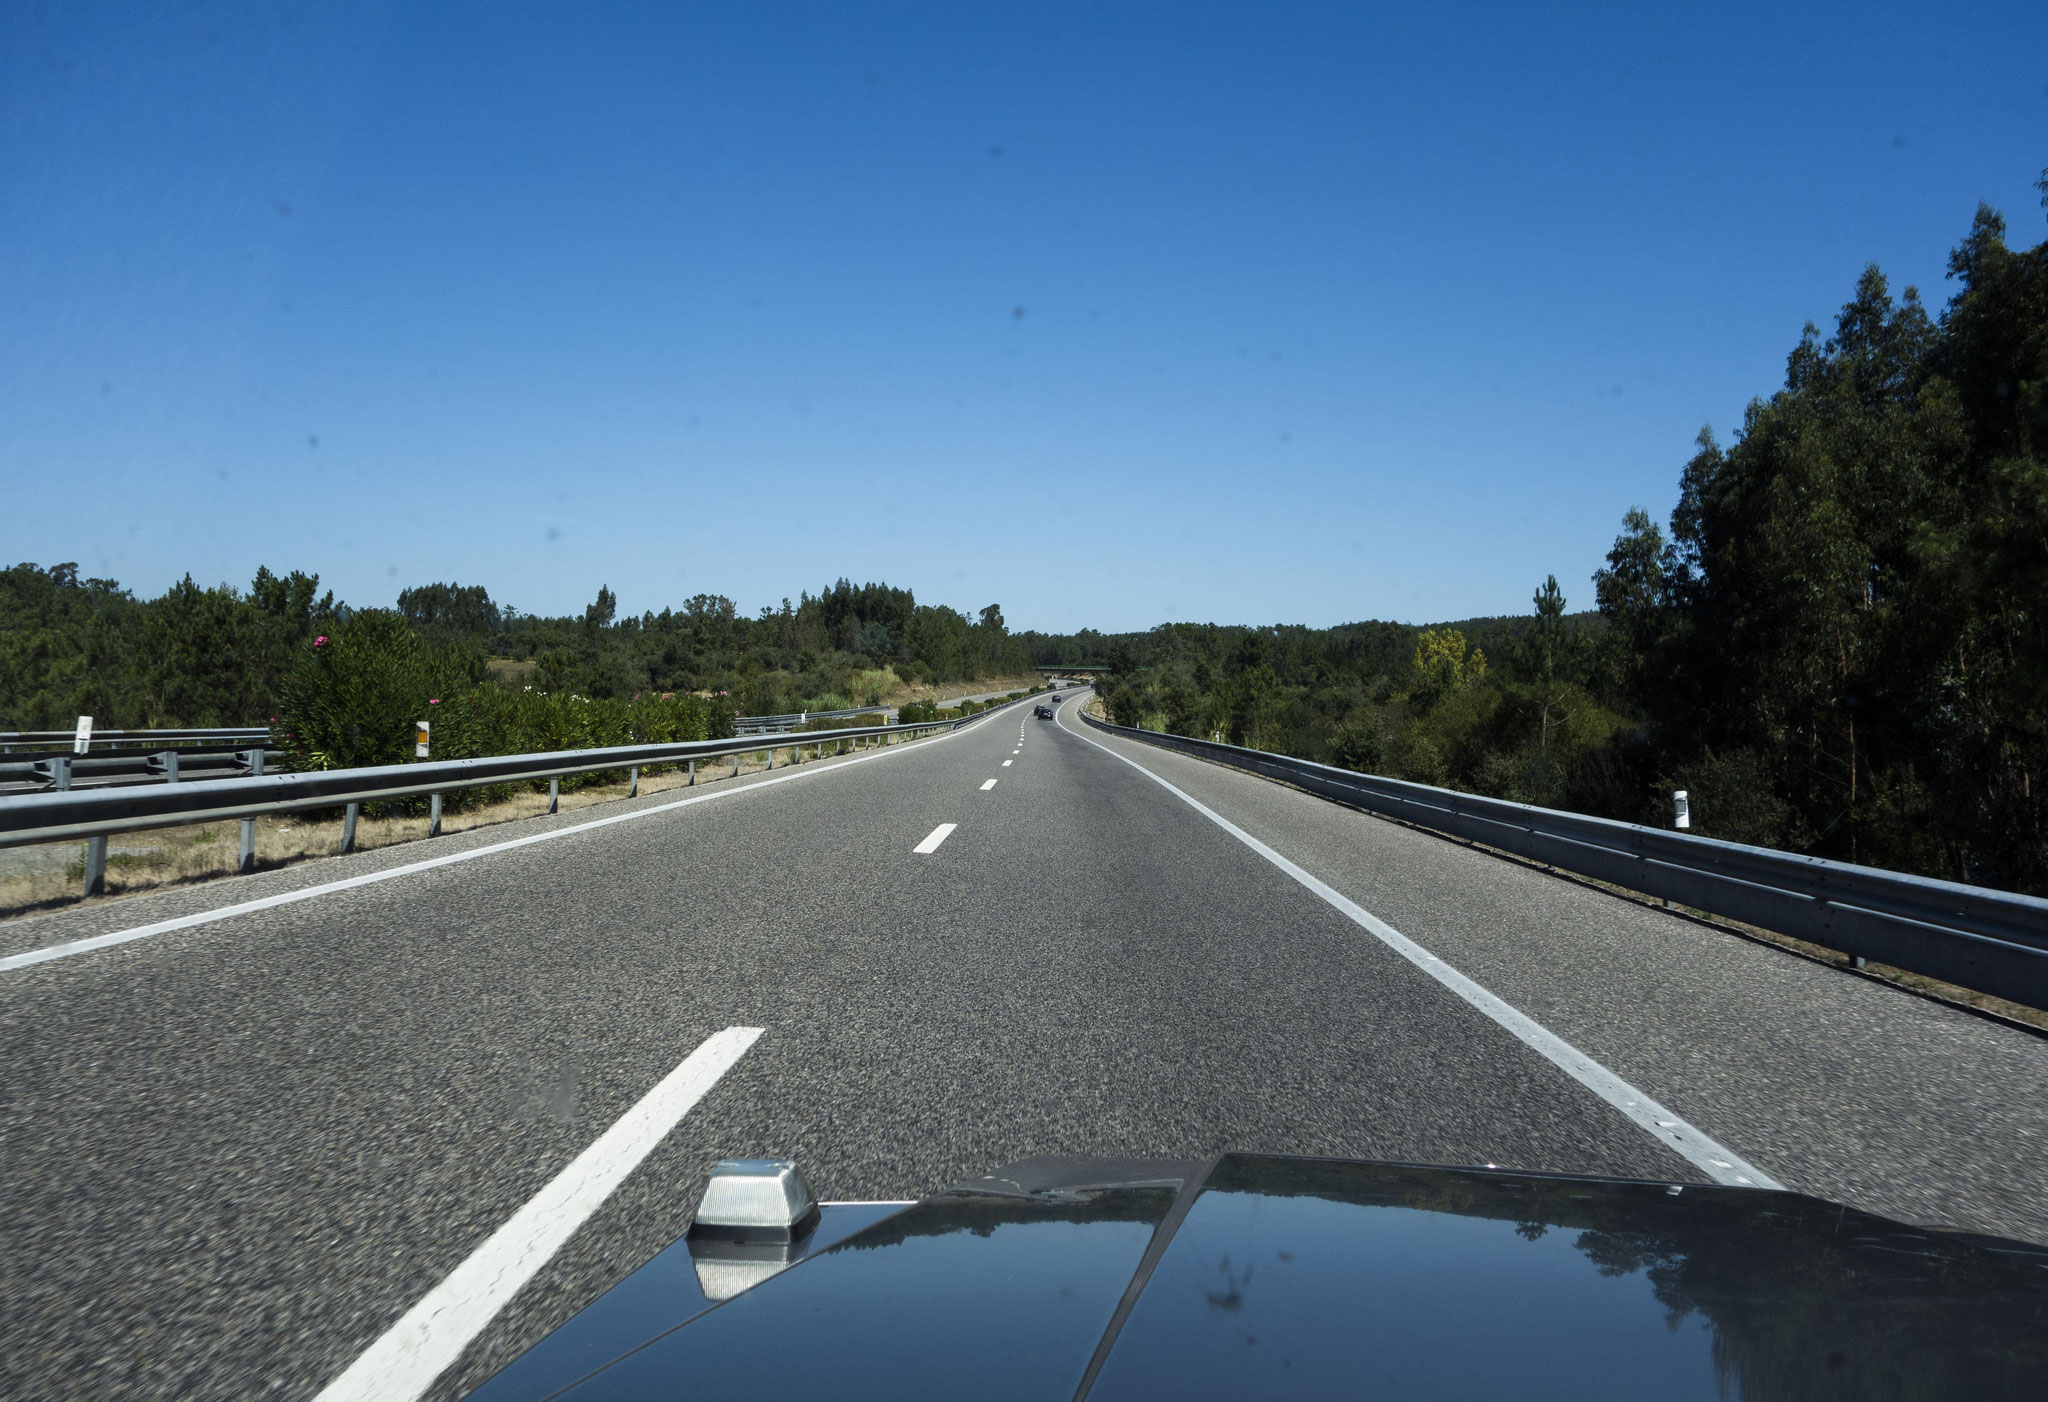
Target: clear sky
(1110,313)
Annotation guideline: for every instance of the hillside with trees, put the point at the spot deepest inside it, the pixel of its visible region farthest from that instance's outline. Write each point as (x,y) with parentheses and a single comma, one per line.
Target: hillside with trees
(1838,643)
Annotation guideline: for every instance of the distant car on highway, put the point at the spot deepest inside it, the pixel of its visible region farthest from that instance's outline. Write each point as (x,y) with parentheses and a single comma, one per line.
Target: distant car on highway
(1043,712)
(1055,696)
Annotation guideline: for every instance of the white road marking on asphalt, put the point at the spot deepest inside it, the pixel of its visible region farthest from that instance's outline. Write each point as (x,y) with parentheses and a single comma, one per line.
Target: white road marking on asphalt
(411,1354)
(989,785)
(371,878)
(939,834)
(1715,1159)
(1006,764)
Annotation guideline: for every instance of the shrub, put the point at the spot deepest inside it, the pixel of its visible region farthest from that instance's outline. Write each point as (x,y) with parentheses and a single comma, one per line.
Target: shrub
(352,697)
(1360,741)
(916,713)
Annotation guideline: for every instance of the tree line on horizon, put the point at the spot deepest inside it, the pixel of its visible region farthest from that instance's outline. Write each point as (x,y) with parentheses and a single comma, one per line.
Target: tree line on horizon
(1837,644)
(205,656)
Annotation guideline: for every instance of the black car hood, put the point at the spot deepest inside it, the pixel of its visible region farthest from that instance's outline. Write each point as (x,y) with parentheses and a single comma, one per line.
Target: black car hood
(1263,1276)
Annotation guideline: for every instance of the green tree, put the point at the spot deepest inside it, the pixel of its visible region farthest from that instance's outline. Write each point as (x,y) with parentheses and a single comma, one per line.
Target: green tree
(1444,665)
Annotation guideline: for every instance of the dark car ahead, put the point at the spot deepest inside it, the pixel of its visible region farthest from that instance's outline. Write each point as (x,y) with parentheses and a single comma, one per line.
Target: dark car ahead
(1042,712)
(1252,1276)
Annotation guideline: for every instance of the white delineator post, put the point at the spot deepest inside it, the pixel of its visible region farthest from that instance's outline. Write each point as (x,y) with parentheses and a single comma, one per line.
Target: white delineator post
(95,847)
(1681,817)
(423,733)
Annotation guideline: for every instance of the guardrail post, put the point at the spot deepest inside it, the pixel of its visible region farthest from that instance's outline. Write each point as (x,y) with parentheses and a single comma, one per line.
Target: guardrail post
(96,865)
(433,815)
(58,767)
(554,794)
(693,774)
(348,827)
(246,862)
(735,764)
(166,763)
(634,792)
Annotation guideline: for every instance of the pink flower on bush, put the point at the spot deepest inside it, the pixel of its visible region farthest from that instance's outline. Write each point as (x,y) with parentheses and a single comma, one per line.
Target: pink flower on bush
(320,641)
(435,701)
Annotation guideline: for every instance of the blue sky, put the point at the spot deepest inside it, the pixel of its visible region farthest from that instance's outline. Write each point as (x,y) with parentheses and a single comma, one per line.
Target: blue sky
(1113,314)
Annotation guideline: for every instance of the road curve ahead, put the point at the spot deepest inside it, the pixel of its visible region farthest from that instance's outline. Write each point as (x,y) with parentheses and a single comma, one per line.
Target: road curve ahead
(411,1124)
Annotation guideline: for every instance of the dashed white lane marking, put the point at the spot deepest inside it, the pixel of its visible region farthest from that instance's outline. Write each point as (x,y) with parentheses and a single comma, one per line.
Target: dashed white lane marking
(1006,764)
(989,785)
(370,878)
(404,1362)
(1713,1158)
(939,834)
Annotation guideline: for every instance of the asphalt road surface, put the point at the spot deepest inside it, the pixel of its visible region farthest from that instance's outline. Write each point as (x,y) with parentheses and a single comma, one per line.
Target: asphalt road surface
(238,1153)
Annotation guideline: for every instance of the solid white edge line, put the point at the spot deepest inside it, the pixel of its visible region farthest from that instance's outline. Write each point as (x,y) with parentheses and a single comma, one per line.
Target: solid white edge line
(406,1359)
(931,843)
(370,878)
(1705,1153)
(987,786)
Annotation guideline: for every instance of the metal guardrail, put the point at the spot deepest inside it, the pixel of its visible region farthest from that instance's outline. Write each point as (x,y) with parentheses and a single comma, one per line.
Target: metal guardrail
(240,737)
(56,772)
(1993,941)
(775,725)
(95,814)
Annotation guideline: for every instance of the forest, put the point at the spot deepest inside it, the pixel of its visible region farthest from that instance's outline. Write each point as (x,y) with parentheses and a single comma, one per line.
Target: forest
(342,685)
(1836,644)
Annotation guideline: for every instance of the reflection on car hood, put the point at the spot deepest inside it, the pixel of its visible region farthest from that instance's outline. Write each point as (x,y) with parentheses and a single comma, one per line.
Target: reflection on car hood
(1264,1276)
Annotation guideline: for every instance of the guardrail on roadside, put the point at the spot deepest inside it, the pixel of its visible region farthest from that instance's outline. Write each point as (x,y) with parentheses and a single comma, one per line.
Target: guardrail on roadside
(47,773)
(1993,941)
(240,737)
(94,814)
(775,725)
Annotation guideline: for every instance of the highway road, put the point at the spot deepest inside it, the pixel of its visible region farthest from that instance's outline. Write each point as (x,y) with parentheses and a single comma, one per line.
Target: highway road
(265,1150)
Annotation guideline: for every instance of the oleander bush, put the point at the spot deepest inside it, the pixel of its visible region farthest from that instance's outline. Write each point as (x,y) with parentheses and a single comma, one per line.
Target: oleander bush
(351,697)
